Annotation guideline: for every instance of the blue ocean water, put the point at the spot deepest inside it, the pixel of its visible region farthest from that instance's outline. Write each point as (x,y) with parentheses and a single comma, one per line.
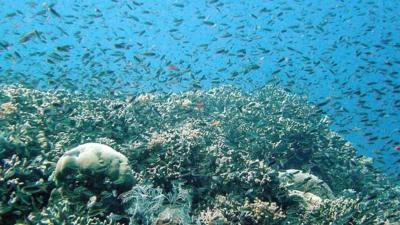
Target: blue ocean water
(341,55)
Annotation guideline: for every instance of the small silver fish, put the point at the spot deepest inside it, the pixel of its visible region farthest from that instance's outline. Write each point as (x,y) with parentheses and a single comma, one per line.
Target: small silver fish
(91,202)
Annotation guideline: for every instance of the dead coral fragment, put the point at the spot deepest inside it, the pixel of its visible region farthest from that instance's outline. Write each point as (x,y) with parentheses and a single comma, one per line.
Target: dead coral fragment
(156,140)
(186,103)
(186,132)
(144,98)
(213,217)
(263,212)
(7,109)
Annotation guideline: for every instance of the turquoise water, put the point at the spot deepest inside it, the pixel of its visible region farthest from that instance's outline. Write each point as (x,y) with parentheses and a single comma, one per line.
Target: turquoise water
(342,56)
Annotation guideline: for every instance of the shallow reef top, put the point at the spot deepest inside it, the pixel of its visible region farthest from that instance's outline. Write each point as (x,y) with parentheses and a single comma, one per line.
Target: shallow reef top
(214,157)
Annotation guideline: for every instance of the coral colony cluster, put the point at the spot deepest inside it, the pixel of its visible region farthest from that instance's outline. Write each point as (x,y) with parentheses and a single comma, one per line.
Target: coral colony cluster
(214,157)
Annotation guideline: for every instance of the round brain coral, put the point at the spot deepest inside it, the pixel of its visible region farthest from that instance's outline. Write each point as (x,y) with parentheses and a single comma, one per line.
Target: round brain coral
(94,163)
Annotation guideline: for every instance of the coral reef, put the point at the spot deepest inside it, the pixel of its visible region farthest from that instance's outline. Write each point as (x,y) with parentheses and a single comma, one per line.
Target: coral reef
(215,157)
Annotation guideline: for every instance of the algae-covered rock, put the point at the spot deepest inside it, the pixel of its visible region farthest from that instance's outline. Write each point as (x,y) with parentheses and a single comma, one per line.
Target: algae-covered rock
(307,200)
(305,182)
(90,162)
(172,216)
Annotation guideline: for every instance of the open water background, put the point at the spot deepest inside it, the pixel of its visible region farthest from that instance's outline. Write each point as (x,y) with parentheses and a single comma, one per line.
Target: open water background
(341,55)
